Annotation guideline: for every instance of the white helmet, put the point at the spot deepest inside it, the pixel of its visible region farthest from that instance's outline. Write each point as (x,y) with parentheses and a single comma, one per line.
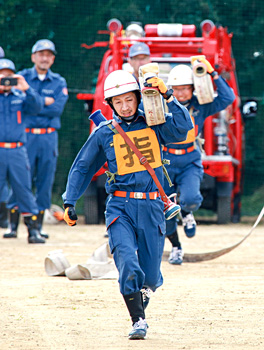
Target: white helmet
(119,82)
(134,30)
(180,75)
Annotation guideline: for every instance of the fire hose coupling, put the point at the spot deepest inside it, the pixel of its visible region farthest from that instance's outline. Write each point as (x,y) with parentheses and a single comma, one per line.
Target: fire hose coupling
(202,81)
(198,61)
(152,81)
(171,209)
(152,89)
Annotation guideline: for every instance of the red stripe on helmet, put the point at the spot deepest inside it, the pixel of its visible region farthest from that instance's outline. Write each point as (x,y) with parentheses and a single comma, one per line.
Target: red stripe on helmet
(133,82)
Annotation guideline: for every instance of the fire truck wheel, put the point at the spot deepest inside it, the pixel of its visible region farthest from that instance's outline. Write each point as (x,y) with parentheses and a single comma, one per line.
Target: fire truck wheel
(91,210)
(223,210)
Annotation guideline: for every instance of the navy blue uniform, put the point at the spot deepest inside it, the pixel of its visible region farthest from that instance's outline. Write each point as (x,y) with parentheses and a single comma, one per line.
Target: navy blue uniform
(4,194)
(186,170)
(42,136)
(136,227)
(14,164)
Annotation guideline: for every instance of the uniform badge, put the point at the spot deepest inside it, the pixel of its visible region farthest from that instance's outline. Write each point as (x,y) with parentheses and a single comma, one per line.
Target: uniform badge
(65,91)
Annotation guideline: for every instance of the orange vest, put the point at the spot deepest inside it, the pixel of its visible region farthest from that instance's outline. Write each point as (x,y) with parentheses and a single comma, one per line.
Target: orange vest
(191,133)
(146,141)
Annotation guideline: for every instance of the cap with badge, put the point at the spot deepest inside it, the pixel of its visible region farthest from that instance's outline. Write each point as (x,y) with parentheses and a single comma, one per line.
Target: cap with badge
(139,49)
(7,64)
(44,44)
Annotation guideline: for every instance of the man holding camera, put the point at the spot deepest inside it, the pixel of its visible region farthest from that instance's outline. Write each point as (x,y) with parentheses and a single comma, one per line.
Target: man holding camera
(16,99)
(41,128)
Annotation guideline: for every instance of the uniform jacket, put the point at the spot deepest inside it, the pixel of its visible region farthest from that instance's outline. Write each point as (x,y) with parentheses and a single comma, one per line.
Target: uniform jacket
(98,149)
(13,107)
(54,86)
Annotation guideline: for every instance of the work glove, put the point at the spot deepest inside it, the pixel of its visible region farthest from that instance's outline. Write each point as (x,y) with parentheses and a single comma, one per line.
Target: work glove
(209,67)
(152,67)
(70,215)
(159,83)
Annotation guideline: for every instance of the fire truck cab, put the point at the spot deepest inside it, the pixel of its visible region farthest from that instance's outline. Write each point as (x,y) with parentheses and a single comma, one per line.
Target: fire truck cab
(223,133)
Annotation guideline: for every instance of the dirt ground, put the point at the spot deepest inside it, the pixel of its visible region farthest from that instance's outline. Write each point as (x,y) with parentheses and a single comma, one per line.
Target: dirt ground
(216,304)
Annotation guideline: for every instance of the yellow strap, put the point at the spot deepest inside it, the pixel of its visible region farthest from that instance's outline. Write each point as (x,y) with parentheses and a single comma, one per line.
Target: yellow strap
(166,161)
(112,129)
(111,176)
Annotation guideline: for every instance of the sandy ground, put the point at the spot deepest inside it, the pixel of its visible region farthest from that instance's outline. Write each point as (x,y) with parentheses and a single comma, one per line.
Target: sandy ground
(216,304)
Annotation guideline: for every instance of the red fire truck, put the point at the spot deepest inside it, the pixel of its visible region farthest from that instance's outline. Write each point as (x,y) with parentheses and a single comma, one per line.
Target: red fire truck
(170,45)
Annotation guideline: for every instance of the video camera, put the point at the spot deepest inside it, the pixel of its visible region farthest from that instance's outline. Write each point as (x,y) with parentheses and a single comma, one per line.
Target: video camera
(8,81)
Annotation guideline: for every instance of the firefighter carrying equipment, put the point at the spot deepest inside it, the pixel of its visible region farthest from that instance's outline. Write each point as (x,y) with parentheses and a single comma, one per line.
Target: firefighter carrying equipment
(202,81)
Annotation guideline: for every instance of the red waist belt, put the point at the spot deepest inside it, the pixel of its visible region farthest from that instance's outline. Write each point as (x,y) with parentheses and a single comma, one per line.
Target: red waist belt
(40,131)
(137,195)
(10,144)
(179,152)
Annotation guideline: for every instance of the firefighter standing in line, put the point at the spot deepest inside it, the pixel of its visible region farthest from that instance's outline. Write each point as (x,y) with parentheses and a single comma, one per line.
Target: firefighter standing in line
(185,169)
(134,212)
(42,136)
(4,194)
(14,165)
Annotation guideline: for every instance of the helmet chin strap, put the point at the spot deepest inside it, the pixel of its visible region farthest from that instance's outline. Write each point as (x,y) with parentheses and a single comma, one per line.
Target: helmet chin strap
(129,119)
(184,103)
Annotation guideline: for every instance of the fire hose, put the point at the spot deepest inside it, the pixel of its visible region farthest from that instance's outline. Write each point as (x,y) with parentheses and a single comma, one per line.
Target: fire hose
(202,82)
(198,257)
